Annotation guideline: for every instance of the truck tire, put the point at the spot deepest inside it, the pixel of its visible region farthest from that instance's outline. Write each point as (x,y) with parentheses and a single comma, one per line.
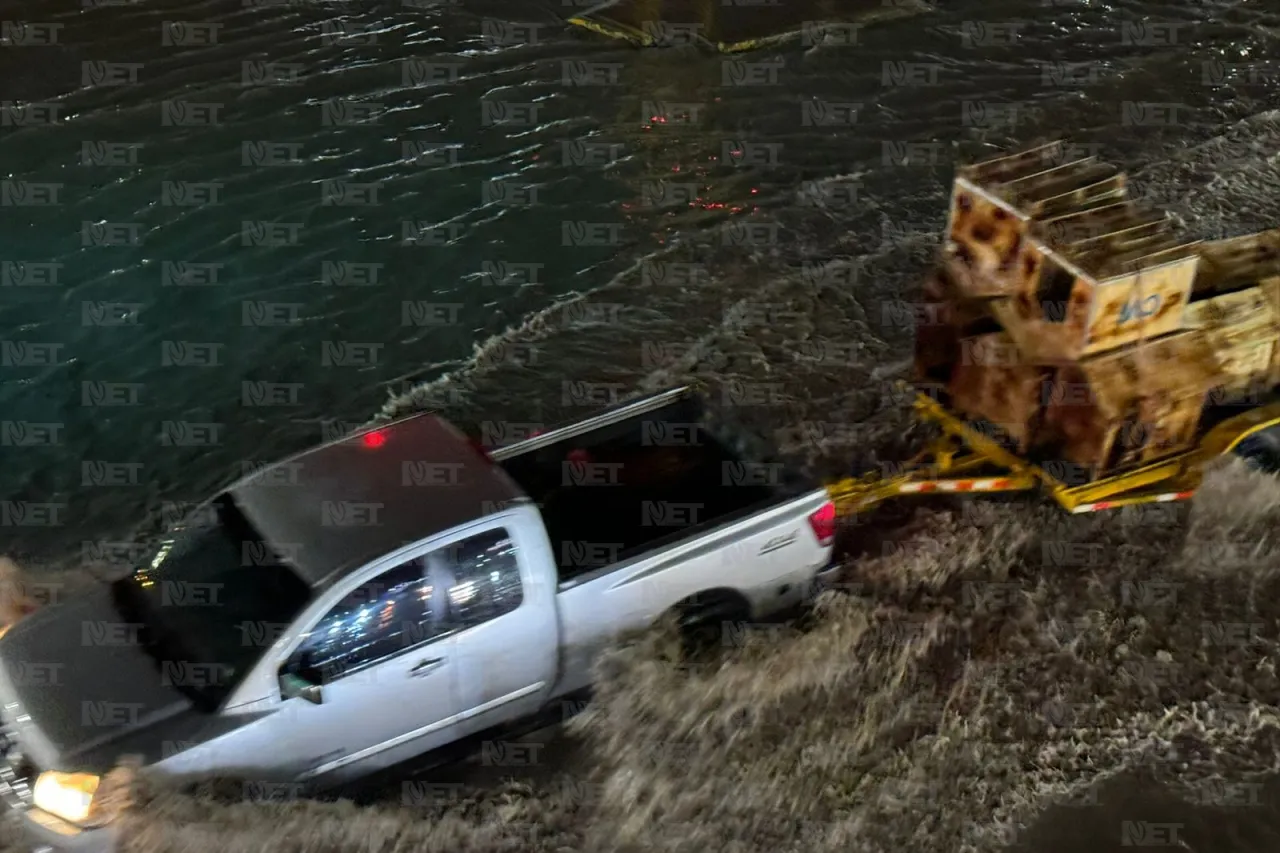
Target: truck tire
(1262,450)
(702,618)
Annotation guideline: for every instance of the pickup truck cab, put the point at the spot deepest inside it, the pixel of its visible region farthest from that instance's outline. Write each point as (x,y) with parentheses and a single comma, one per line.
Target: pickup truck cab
(394,592)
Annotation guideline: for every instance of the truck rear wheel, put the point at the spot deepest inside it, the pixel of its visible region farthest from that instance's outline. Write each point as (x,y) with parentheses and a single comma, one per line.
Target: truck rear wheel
(702,621)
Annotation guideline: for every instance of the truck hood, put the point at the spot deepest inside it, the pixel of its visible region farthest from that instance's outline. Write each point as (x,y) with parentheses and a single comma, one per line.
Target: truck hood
(77,687)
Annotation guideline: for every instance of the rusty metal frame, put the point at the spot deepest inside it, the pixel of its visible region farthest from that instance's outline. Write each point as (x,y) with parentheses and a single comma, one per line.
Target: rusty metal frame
(1022,190)
(991,197)
(982,170)
(1122,216)
(1098,192)
(1137,274)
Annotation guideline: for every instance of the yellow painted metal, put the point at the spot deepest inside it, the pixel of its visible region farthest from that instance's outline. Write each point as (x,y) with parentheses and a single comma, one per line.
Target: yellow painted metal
(1109,488)
(622,32)
(613,30)
(749,44)
(1133,499)
(1224,437)
(952,454)
(962,449)
(930,410)
(716,20)
(854,495)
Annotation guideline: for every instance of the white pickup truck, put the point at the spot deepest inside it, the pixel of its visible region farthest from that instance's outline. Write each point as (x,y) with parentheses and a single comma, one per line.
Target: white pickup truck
(394,592)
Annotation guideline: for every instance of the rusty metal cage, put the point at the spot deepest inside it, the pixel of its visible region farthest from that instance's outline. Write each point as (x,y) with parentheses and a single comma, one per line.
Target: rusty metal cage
(1086,325)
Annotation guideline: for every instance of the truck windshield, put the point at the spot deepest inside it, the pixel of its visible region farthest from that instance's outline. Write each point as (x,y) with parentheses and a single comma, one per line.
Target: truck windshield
(211,601)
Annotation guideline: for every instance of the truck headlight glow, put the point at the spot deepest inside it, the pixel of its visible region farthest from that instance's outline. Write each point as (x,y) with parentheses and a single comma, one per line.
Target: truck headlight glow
(67,795)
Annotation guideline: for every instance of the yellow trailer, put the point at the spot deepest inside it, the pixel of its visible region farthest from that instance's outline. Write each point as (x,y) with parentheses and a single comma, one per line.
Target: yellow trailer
(964,459)
(1081,345)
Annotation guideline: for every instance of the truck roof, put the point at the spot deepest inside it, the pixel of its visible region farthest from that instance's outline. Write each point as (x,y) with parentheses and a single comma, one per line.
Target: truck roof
(336,507)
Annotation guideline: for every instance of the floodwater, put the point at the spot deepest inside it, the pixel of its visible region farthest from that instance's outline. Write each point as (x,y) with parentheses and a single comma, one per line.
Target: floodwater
(232,229)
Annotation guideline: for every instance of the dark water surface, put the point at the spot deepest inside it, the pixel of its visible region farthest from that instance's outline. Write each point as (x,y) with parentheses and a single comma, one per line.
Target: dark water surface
(257,234)
(140,351)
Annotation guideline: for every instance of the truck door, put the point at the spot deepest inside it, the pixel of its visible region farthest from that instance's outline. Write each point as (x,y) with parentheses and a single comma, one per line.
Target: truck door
(507,645)
(383,660)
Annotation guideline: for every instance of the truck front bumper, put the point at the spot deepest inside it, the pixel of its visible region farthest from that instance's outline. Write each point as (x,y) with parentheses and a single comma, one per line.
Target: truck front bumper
(44,833)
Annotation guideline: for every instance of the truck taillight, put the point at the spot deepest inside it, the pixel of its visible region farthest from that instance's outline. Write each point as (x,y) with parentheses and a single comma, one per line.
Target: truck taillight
(823,523)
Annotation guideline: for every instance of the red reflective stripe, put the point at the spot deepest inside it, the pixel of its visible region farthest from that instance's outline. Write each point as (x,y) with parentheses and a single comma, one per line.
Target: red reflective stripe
(1182,496)
(1102,505)
(983,484)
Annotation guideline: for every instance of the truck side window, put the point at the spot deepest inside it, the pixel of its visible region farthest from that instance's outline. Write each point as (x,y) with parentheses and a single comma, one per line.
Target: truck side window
(378,620)
(486,578)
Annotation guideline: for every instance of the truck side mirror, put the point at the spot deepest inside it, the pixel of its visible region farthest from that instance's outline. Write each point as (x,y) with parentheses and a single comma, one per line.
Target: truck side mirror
(292,685)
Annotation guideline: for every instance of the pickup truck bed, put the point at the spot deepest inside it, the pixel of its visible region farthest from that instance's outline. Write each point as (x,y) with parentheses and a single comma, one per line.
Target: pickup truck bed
(642,481)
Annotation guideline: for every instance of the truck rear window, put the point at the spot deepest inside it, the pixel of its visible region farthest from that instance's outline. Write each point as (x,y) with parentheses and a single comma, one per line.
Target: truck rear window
(213,600)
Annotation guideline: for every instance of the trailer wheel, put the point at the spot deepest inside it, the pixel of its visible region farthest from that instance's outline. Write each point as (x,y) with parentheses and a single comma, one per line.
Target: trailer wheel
(1261,450)
(702,619)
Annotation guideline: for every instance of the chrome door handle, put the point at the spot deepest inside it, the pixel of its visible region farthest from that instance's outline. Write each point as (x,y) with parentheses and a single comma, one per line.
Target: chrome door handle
(425,666)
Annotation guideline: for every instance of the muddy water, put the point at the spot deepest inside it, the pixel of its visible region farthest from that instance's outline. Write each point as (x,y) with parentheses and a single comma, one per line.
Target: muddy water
(805,352)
